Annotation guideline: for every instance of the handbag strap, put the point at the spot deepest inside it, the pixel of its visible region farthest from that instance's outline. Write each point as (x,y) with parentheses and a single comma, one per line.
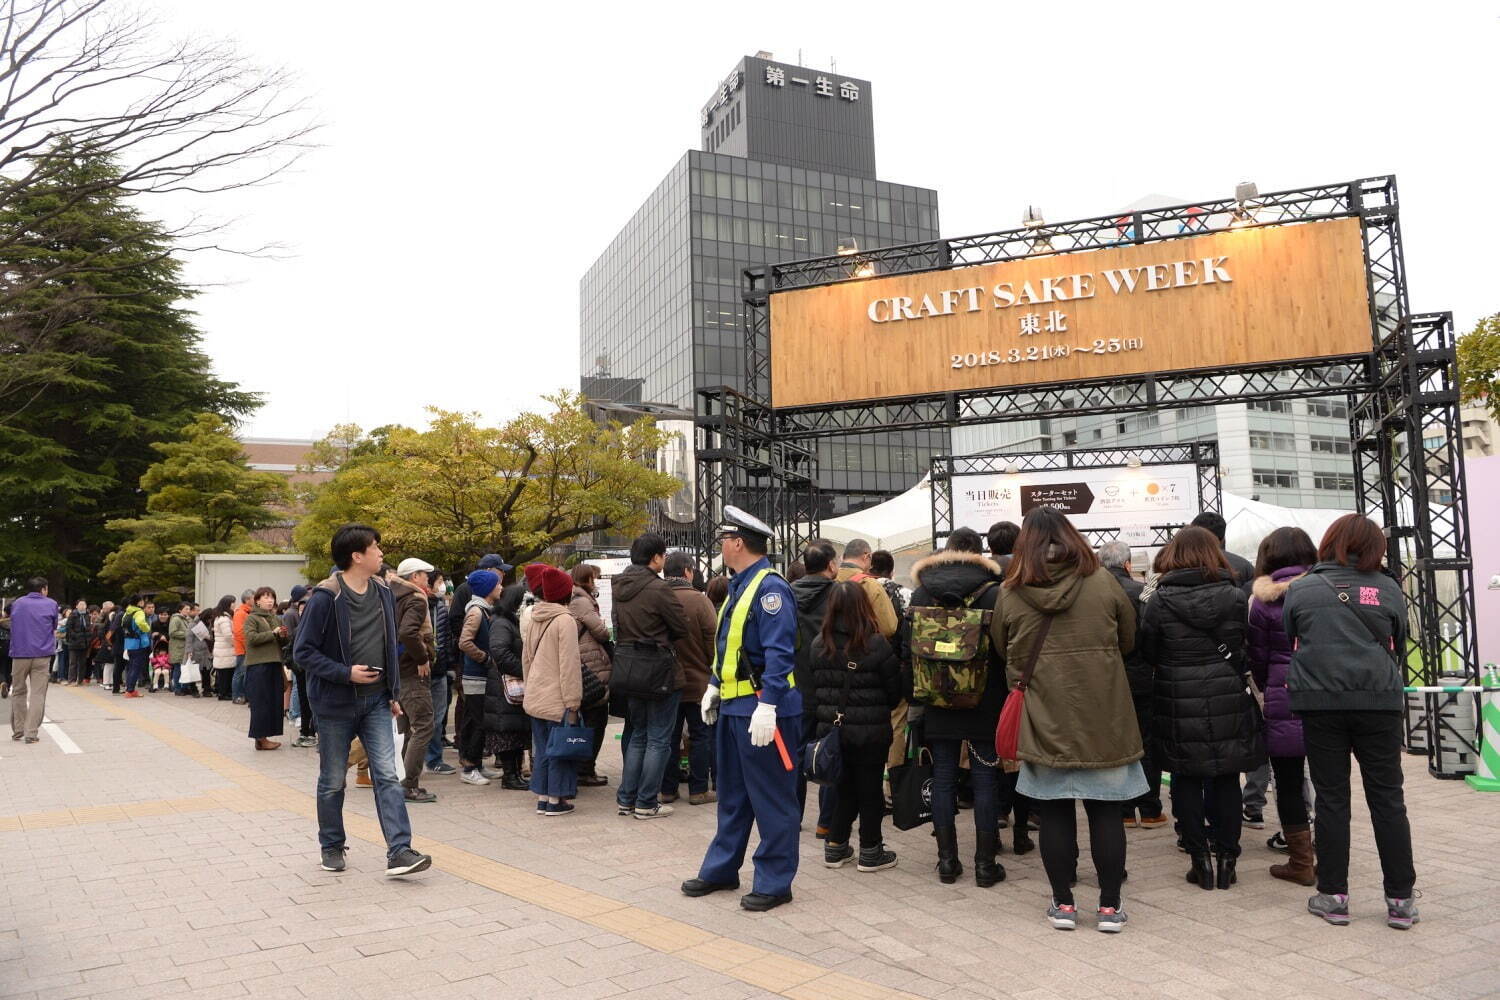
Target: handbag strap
(838,716)
(1036,651)
(1343,599)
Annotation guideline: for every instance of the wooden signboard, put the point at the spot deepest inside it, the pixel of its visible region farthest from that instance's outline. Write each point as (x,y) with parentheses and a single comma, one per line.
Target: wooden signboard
(1227,298)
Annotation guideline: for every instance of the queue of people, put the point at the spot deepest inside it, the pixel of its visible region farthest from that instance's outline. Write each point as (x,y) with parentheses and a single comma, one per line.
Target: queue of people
(1034,676)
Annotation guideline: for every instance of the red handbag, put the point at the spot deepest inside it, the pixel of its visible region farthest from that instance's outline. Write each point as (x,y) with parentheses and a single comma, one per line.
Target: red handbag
(1008,732)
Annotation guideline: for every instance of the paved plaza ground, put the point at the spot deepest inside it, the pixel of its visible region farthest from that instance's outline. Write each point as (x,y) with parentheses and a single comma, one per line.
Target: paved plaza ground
(167,858)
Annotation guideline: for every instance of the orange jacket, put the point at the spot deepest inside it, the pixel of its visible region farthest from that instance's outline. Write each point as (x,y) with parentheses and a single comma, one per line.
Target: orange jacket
(238,625)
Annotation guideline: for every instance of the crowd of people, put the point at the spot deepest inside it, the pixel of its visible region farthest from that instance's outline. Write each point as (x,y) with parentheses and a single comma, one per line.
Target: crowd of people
(1204,672)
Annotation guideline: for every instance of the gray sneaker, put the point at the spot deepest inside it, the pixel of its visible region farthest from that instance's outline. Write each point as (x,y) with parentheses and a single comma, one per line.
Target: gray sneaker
(655,812)
(1062,917)
(333,858)
(1332,907)
(441,767)
(407,862)
(1112,919)
(1401,913)
(305,741)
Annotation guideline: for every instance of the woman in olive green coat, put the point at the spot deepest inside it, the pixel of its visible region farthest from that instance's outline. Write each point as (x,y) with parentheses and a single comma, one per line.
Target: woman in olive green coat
(265,681)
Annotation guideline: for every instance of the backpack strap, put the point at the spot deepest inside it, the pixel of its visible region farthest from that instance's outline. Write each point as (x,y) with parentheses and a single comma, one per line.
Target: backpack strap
(1036,651)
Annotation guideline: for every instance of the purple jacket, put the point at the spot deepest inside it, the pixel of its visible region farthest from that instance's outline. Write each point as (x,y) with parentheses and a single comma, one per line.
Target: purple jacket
(1269,654)
(33,627)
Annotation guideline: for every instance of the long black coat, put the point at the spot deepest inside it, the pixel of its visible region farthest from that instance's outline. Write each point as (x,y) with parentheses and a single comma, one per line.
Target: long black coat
(874,689)
(500,716)
(1204,721)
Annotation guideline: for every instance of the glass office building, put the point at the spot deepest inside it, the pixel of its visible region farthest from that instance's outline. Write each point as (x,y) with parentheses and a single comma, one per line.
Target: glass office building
(787,170)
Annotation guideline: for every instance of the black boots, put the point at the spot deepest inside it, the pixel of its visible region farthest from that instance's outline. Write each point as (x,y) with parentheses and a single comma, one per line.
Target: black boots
(1202,872)
(511,781)
(987,871)
(1227,877)
(948,866)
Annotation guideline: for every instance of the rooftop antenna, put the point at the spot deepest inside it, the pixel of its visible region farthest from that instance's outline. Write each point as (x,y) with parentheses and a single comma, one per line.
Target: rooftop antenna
(833,65)
(799,57)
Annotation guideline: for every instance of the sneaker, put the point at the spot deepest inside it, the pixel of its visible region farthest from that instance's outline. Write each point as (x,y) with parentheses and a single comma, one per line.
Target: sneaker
(490,772)
(1062,917)
(418,795)
(1153,822)
(561,809)
(592,780)
(1111,919)
(16,736)
(333,858)
(624,810)
(1277,843)
(655,812)
(449,744)
(305,741)
(874,859)
(407,862)
(32,739)
(133,694)
(1401,913)
(1253,820)
(441,767)
(702,798)
(836,855)
(1332,907)
(474,778)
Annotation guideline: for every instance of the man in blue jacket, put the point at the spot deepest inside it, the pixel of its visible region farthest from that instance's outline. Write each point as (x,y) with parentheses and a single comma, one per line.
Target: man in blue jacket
(346,644)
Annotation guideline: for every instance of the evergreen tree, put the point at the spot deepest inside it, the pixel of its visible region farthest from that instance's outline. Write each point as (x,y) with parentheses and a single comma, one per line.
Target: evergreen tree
(99,359)
(202,497)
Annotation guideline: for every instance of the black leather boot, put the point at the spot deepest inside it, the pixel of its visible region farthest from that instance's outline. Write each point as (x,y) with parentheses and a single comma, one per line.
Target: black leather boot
(987,871)
(948,866)
(1226,876)
(1202,872)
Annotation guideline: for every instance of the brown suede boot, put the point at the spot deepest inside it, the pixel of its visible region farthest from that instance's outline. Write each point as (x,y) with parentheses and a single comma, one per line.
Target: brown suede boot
(1300,867)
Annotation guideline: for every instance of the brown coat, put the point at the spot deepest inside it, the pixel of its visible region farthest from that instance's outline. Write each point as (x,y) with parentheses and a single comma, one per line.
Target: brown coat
(694,650)
(593,636)
(414,636)
(1079,713)
(549,659)
(880,601)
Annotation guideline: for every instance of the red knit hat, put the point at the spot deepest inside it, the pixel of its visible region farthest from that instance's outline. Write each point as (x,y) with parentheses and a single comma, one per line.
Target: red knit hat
(557,586)
(533,573)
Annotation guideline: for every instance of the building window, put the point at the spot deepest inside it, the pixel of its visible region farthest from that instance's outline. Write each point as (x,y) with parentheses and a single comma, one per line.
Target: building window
(1325,445)
(1274,479)
(1270,405)
(1331,481)
(1323,408)
(1139,422)
(1273,440)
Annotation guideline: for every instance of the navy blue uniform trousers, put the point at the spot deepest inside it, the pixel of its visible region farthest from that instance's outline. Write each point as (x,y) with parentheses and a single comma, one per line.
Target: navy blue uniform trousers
(755,787)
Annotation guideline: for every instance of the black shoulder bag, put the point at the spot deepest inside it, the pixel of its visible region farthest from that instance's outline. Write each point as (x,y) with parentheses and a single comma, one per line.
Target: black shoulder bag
(823,758)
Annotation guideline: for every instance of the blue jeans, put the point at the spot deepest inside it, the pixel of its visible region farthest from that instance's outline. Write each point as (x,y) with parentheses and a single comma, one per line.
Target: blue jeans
(237,685)
(985,782)
(550,777)
(176,673)
(700,751)
(370,720)
(294,708)
(439,685)
(651,724)
(60,665)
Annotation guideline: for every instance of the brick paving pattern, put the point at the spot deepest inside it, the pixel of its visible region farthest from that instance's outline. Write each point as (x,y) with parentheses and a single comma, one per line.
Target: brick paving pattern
(171,859)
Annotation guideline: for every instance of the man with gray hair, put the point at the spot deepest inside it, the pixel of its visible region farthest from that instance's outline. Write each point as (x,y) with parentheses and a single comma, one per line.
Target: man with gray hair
(1115,557)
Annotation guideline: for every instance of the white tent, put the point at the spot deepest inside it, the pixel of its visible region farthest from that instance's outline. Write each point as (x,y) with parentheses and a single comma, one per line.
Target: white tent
(904,523)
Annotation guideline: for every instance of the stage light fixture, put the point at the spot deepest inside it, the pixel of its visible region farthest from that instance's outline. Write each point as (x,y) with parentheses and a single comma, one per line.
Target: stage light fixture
(1243,214)
(1032,218)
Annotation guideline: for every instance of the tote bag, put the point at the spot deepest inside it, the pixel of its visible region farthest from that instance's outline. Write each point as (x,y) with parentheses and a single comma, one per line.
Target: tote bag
(190,673)
(570,741)
(911,790)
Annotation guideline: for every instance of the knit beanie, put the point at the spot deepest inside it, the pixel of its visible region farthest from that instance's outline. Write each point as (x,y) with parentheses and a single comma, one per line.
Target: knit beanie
(482,582)
(533,573)
(557,586)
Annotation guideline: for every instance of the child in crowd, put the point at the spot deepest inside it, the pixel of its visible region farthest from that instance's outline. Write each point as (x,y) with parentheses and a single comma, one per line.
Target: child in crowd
(161,670)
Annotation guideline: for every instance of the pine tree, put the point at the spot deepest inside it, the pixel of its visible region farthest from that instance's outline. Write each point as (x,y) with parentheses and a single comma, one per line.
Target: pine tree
(98,359)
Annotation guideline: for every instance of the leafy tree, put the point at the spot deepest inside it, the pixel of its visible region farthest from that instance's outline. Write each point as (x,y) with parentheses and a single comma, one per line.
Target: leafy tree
(106,360)
(458,490)
(1479,364)
(202,497)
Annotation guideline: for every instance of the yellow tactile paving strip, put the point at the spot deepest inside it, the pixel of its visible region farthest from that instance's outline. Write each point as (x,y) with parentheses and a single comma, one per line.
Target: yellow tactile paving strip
(253,792)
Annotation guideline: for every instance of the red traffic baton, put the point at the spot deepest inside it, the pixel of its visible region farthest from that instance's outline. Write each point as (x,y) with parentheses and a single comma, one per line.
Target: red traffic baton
(786,758)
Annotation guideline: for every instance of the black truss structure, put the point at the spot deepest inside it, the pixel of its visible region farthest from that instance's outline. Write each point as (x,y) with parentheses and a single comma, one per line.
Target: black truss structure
(1203,454)
(1402,398)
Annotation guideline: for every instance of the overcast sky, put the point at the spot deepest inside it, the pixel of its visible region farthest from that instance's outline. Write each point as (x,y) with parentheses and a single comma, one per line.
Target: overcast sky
(477,157)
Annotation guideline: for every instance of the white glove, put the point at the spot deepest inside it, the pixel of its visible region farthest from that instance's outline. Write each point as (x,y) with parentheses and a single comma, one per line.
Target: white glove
(763,725)
(710,705)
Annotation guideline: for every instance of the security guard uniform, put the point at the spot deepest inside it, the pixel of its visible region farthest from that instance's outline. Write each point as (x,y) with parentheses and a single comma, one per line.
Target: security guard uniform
(753,661)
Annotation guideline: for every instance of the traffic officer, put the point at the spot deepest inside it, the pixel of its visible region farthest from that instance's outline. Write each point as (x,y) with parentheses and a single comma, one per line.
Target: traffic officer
(752,687)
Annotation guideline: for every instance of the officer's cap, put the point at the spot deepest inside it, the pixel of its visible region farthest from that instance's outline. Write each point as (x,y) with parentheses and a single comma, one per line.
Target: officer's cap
(740,524)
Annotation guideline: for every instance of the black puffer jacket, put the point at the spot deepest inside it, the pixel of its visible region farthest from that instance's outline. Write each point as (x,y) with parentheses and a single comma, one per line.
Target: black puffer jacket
(1204,721)
(874,689)
(946,579)
(505,658)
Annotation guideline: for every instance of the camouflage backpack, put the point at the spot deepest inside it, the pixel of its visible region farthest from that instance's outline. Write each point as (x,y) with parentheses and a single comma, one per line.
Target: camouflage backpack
(950,653)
